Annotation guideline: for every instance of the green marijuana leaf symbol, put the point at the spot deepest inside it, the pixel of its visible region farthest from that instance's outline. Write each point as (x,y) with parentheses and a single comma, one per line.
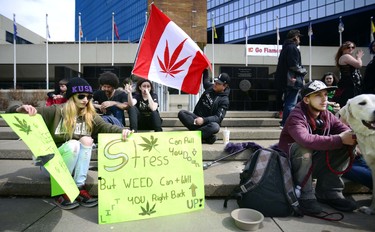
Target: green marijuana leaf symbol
(147,211)
(148,145)
(23,126)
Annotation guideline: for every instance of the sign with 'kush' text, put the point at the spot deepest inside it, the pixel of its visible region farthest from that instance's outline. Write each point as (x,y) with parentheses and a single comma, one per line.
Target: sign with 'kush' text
(149,175)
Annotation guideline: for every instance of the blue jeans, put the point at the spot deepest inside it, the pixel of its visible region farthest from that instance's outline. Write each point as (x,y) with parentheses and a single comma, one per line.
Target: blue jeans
(290,101)
(360,172)
(77,159)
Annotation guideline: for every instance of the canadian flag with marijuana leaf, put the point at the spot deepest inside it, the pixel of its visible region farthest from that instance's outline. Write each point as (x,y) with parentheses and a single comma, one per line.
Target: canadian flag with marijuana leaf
(167,55)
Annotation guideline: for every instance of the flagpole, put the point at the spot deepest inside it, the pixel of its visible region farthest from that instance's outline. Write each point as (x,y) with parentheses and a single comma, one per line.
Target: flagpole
(277,35)
(79,43)
(14,52)
(310,51)
(113,34)
(246,41)
(47,70)
(213,47)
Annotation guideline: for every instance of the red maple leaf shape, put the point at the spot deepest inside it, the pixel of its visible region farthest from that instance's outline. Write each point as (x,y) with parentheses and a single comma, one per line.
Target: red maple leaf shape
(169,66)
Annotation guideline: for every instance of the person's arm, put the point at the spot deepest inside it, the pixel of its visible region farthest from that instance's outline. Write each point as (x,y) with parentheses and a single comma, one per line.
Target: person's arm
(153,105)
(206,79)
(298,130)
(129,90)
(356,61)
(220,112)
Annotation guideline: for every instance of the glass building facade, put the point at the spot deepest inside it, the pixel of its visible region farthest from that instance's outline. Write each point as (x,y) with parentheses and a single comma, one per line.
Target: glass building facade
(96,19)
(230,15)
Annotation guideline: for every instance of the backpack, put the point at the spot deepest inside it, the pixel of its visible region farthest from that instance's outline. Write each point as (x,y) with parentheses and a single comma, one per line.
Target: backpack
(266,185)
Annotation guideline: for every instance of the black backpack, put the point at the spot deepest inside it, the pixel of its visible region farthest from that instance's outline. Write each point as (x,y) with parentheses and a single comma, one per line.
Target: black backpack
(266,185)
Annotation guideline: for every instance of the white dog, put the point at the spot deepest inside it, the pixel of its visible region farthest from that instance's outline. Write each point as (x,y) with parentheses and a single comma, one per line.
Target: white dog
(359,114)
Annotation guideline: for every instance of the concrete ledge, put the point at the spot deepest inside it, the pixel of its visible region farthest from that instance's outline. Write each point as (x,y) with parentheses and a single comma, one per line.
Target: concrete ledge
(22,178)
(17,150)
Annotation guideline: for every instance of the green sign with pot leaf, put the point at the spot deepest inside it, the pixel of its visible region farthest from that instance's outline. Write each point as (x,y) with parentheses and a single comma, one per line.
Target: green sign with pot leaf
(34,132)
(149,175)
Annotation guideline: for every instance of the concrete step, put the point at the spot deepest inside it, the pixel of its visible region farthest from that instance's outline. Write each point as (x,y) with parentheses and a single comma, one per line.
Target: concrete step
(22,178)
(227,122)
(17,150)
(236,133)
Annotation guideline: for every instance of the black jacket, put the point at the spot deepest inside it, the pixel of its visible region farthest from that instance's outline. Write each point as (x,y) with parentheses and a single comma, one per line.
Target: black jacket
(212,106)
(289,59)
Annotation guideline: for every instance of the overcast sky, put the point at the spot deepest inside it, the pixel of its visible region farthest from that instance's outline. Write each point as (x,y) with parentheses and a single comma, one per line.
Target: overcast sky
(32,15)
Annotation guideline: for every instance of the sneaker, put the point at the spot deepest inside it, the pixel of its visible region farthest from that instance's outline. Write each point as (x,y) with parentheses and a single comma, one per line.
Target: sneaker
(210,140)
(85,199)
(310,206)
(63,202)
(340,204)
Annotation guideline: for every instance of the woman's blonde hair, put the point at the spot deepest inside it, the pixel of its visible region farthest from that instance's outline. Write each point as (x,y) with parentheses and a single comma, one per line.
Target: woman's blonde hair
(70,114)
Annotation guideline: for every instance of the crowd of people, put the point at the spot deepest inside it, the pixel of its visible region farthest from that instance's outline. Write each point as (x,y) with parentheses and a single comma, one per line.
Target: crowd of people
(313,136)
(311,130)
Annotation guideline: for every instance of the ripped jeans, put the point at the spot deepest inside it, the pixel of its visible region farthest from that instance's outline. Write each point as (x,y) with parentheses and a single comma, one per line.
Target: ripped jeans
(329,185)
(76,155)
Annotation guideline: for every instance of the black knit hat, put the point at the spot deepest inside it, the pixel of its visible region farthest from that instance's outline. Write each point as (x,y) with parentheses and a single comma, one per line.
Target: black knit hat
(77,85)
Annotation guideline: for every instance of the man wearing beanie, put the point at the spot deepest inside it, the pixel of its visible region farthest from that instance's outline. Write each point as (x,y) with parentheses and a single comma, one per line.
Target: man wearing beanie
(108,101)
(210,109)
(314,138)
(289,76)
(72,126)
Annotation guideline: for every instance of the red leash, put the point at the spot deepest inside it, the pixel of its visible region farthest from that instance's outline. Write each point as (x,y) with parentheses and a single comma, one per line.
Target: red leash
(349,166)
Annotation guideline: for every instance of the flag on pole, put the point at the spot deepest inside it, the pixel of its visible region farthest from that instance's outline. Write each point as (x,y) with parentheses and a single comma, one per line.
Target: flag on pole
(277,29)
(80,26)
(14,27)
(167,55)
(310,32)
(341,26)
(214,28)
(116,31)
(245,27)
(47,28)
(372,31)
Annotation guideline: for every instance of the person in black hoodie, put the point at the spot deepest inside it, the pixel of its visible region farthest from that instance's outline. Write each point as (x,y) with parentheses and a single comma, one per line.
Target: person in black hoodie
(211,108)
(290,73)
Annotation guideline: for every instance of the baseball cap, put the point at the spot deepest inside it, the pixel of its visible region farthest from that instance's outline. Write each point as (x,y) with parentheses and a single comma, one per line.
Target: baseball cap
(223,78)
(293,33)
(315,86)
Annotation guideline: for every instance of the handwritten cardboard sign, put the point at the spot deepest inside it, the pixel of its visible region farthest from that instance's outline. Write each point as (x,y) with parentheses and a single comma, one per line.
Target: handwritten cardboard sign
(149,175)
(34,132)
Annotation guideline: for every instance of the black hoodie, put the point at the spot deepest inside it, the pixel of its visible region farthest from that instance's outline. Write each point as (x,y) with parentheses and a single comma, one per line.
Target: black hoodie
(212,106)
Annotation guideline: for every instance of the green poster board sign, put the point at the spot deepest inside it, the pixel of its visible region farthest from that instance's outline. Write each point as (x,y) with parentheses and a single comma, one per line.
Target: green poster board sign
(35,134)
(149,175)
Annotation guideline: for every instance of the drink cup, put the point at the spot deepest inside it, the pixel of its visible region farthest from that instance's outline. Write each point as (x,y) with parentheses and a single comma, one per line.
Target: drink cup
(226,134)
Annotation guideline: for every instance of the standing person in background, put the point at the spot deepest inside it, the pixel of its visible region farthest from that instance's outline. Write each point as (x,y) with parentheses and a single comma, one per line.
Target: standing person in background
(211,108)
(369,77)
(108,101)
(72,127)
(350,83)
(289,72)
(143,111)
(330,79)
(57,96)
